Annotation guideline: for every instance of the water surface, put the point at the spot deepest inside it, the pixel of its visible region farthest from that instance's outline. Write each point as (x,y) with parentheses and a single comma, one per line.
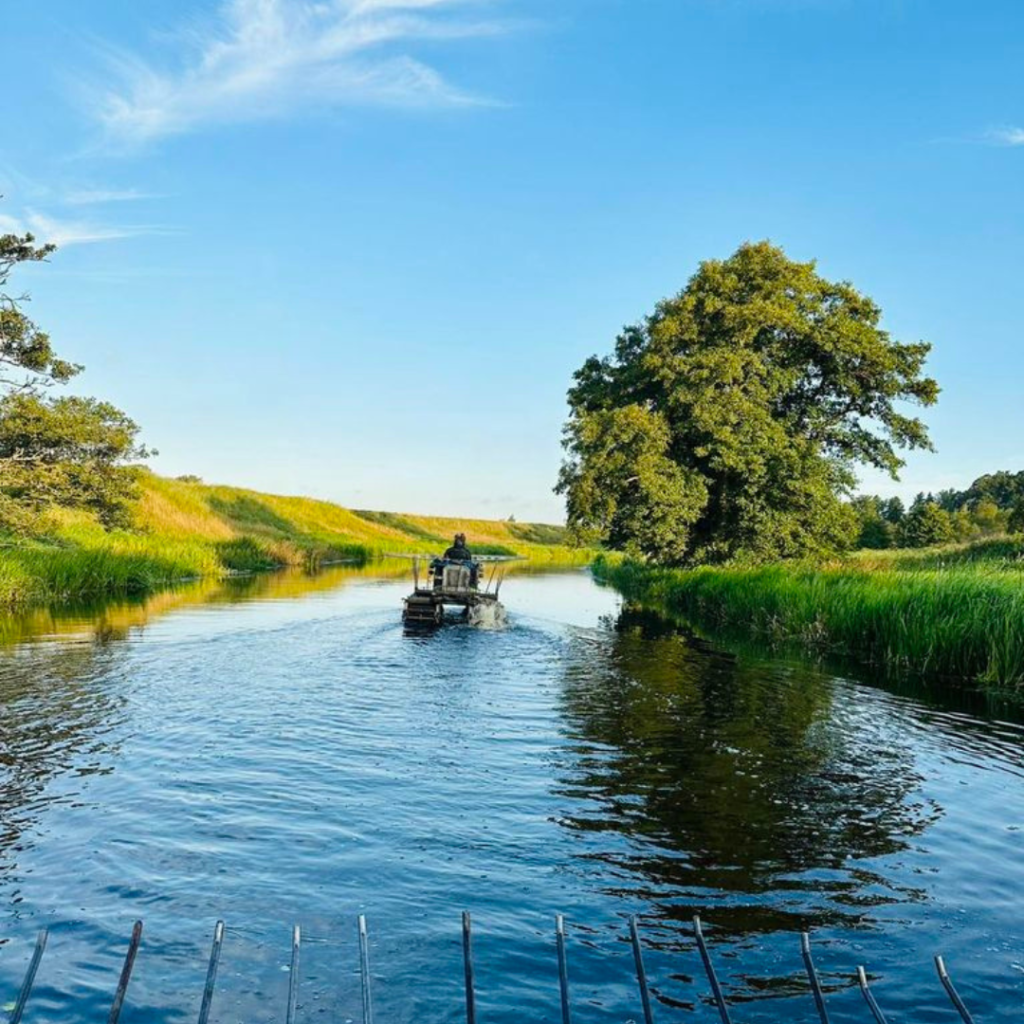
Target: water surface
(278,750)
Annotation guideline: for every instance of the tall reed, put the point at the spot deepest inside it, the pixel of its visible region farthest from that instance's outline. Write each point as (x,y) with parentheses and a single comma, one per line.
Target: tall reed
(965,620)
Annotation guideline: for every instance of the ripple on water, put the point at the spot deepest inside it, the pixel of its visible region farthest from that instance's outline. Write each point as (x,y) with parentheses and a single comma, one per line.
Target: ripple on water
(270,759)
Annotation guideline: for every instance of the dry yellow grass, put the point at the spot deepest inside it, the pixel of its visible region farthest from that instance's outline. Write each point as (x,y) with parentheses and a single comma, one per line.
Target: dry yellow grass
(194,530)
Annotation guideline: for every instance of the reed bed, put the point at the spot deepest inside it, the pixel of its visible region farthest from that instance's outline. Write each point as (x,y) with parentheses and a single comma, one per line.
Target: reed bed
(963,620)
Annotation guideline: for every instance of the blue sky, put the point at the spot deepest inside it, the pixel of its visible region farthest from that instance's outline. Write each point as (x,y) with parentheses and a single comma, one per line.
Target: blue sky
(339,247)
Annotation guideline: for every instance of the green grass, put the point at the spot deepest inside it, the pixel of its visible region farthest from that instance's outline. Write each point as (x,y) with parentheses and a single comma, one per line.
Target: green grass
(186,529)
(955,613)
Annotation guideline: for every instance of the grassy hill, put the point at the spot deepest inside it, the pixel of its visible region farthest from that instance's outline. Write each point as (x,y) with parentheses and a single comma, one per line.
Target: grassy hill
(189,529)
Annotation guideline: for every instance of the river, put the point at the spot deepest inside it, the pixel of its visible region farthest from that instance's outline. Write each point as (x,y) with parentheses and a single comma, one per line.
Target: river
(279,751)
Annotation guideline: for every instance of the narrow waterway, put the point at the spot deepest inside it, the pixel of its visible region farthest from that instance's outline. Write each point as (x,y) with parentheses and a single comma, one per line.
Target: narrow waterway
(278,750)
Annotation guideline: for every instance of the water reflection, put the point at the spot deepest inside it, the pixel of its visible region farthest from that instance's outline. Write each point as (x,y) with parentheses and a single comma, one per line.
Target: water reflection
(56,722)
(744,792)
(117,618)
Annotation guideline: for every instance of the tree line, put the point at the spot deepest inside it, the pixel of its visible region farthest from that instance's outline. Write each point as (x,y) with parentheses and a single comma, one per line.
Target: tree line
(992,505)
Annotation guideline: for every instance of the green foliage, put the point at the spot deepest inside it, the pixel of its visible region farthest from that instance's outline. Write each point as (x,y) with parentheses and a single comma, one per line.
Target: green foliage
(624,489)
(883,523)
(63,453)
(891,510)
(960,620)
(1015,523)
(1003,489)
(728,422)
(27,359)
(926,524)
(70,453)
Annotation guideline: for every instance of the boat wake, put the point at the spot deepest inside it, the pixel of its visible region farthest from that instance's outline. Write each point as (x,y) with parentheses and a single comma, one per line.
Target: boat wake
(488,615)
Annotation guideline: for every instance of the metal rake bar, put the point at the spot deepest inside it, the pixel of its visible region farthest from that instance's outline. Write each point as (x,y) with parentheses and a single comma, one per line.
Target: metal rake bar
(869,998)
(641,973)
(211,972)
(30,977)
(954,996)
(812,975)
(293,977)
(126,973)
(709,968)
(292,1009)
(563,968)
(467,963)
(364,970)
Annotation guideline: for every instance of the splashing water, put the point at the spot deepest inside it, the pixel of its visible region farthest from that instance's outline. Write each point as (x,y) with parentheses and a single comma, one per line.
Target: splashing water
(491,615)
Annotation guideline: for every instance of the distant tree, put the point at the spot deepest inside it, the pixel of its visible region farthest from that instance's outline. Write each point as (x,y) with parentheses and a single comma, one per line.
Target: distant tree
(729,421)
(926,524)
(892,510)
(876,534)
(950,499)
(1002,488)
(189,478)
(66,452)
(1015,523)
(964,526)
(873,531)
(987,516)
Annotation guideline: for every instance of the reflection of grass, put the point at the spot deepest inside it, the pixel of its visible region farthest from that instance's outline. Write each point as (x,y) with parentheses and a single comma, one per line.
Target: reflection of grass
(187,529)
(113,618)
(957,613)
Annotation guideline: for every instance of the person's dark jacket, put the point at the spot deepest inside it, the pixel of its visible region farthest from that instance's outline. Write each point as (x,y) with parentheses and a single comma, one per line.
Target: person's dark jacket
(458,553)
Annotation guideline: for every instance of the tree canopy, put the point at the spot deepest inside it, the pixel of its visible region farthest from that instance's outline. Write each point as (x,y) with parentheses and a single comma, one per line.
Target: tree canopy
(729,422)
(70,451)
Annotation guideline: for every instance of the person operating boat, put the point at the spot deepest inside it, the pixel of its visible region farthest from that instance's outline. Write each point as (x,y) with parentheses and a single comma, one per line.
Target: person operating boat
(458,552)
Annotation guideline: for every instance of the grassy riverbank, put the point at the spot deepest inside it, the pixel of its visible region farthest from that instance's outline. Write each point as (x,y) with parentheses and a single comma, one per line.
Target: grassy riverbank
(956,612)
(187,530)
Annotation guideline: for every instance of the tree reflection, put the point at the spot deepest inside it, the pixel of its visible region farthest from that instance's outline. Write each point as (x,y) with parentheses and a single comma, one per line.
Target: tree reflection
(745,792)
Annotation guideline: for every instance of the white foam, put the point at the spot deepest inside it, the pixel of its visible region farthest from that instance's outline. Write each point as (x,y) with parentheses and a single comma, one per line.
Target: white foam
(489,615)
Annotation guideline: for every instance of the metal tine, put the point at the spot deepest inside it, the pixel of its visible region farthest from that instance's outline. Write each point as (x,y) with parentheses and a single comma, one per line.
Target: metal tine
(812,974)
(641,974)
(716,989)
(364,970)
(293,976)
(467,958)
(563,969)
(126,973)
(947,984)
(869,998)
(211,972)
(30,977)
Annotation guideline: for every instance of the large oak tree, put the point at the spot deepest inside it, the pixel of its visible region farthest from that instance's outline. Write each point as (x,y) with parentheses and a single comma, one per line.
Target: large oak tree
(729,422)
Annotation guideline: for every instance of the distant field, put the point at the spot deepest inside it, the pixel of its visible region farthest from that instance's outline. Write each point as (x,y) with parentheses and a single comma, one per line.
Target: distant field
(189,530)
(955,611)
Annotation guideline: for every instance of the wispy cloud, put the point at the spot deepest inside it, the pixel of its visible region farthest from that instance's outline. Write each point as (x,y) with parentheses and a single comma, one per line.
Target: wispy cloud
(99,196)
(62,232)
(260,59)
(1007,136)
